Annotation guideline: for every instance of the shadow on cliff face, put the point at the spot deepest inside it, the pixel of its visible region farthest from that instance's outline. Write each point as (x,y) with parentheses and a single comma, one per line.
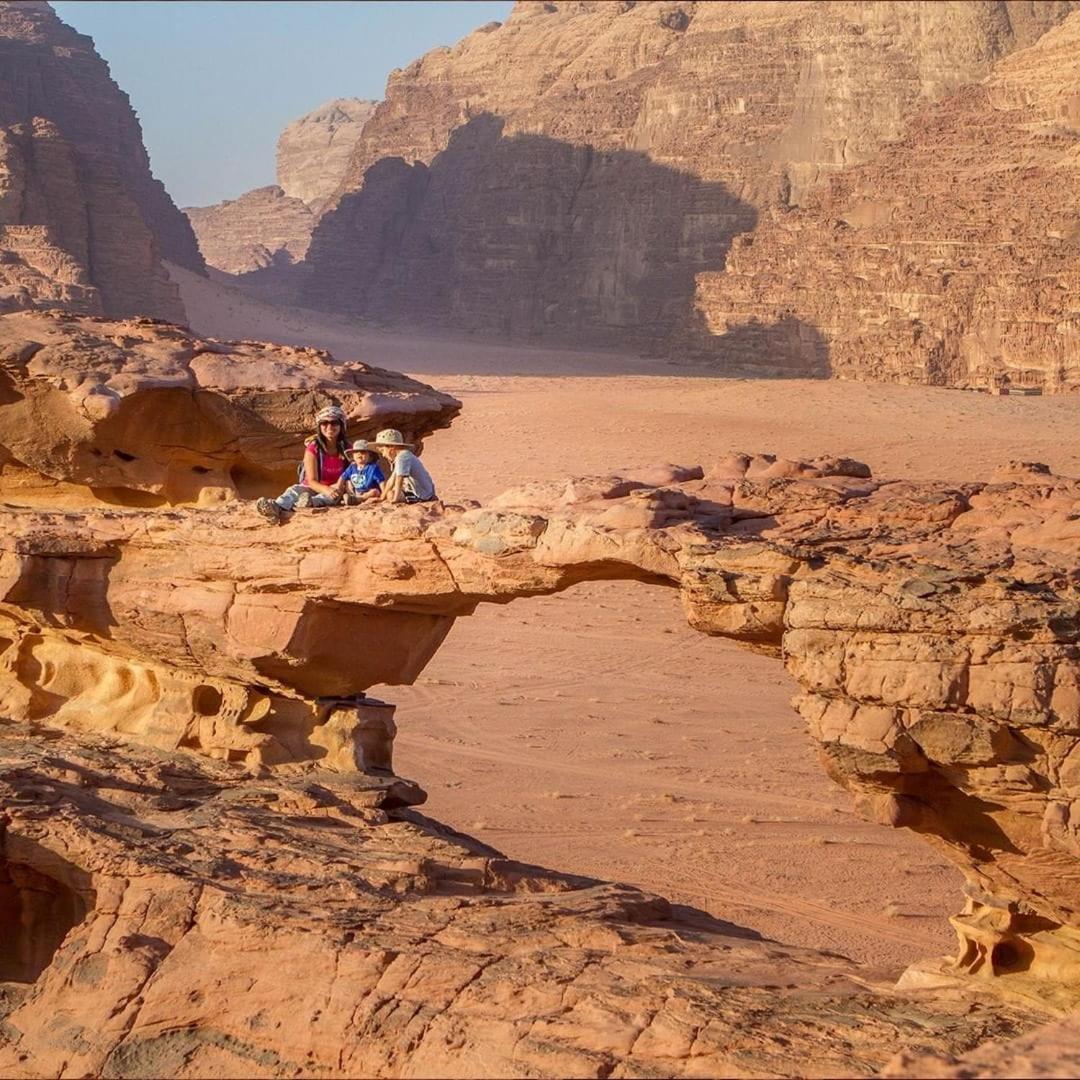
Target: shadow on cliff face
(524,236)
(789,348)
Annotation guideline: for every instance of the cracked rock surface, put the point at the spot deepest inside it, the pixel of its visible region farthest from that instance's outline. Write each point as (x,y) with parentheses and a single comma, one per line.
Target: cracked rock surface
(290,926)
(932,628)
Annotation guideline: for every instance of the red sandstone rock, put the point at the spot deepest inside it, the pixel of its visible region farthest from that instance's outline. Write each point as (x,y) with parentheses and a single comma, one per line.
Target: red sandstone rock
(952,258)
(82,220)
(1049,1051)
(932,629)
(171,916)
(142,412)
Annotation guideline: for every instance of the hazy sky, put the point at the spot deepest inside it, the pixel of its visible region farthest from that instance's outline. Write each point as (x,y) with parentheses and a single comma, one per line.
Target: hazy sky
(215,82)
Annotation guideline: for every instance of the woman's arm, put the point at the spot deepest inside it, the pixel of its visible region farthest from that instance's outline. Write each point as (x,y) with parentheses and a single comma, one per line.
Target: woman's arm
(311,473)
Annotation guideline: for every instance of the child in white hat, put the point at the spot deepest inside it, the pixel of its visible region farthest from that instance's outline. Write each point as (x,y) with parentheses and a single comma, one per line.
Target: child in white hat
(409,481)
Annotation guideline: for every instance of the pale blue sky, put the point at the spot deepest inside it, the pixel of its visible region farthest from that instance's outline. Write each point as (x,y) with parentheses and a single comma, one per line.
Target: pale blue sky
(215,81)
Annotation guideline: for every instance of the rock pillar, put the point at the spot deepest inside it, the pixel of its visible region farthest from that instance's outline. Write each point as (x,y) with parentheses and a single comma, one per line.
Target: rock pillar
(358,734)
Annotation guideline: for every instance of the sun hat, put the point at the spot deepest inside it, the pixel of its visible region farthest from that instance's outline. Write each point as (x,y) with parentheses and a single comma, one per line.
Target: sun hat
(391,437)
(360,446)
(331,412)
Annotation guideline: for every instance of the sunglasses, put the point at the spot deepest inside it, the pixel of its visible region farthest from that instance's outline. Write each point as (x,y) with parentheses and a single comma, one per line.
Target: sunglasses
(329,423)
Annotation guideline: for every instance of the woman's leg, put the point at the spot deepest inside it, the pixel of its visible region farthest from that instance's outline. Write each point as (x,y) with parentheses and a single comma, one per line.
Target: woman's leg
(287,499)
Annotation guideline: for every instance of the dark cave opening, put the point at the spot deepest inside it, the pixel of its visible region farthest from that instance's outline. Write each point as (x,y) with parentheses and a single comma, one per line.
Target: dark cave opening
(36,913)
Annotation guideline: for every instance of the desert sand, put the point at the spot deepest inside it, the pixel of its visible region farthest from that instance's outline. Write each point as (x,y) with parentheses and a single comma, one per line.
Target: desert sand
(594,730)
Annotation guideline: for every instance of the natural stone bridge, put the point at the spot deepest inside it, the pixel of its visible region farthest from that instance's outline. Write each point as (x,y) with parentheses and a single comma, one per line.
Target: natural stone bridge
(934,630)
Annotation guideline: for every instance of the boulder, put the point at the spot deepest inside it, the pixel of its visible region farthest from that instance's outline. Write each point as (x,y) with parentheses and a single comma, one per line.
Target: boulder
(140,412)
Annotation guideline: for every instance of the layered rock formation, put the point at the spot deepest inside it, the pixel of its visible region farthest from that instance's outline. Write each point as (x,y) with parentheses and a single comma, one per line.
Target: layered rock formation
(264,232)
(140,412)
(952,259)
(933,630)
(262,228)
(569,173)
(214,924)
(313,153)
(83,223)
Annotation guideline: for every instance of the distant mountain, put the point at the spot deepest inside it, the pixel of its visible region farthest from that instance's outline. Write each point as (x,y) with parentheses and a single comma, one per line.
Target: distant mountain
(570,174)
(314,152)
(270,228)
(83,222)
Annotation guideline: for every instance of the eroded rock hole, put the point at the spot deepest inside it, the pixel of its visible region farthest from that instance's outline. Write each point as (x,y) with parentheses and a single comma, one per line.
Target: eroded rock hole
(206,700)
(1009,956)
(123,456)
(36,913)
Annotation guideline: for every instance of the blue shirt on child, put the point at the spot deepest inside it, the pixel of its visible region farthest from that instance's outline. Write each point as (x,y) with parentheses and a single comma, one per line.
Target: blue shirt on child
(361,478)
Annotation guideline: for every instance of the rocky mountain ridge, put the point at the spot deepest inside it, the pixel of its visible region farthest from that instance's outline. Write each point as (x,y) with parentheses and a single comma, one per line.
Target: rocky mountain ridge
(83,223)
(269,228)
(573,172)
(953,258)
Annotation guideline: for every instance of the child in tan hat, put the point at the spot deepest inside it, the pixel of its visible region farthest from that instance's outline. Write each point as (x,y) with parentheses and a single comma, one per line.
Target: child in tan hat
(409,481)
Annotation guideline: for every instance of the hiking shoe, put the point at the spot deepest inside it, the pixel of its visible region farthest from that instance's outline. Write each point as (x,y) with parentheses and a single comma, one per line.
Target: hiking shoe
(303,500)
(269,509)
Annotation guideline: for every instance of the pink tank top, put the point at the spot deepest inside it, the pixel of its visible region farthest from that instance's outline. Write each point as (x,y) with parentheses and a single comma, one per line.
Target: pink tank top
(332,465)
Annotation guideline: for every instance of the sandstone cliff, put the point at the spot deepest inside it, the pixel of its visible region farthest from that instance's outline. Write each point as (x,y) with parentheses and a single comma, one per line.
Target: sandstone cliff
(265,232)
(262,228)
(313,153)
(82,220)
(952,259)
(571,172)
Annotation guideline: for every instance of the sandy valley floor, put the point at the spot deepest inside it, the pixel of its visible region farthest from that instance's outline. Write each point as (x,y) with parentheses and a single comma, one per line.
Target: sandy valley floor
(594,731)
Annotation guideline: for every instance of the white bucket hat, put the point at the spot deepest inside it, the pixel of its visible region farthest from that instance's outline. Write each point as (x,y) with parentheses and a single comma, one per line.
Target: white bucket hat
(360,446)
(392,437)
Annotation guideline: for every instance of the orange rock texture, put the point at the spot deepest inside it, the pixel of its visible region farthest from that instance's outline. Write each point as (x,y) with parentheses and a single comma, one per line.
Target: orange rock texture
(140,412)
(932,629)
(573,172)
(212,923)
(83,223)
(953,258)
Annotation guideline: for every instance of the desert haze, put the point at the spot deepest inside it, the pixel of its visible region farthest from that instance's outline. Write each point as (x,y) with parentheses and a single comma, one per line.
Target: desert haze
(721,714)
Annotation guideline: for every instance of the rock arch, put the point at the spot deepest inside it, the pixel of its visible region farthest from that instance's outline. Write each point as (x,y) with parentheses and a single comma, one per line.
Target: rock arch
(934,631)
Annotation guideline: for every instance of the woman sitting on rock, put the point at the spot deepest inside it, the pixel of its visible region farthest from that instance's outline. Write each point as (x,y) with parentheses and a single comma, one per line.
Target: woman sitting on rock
(324,462)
